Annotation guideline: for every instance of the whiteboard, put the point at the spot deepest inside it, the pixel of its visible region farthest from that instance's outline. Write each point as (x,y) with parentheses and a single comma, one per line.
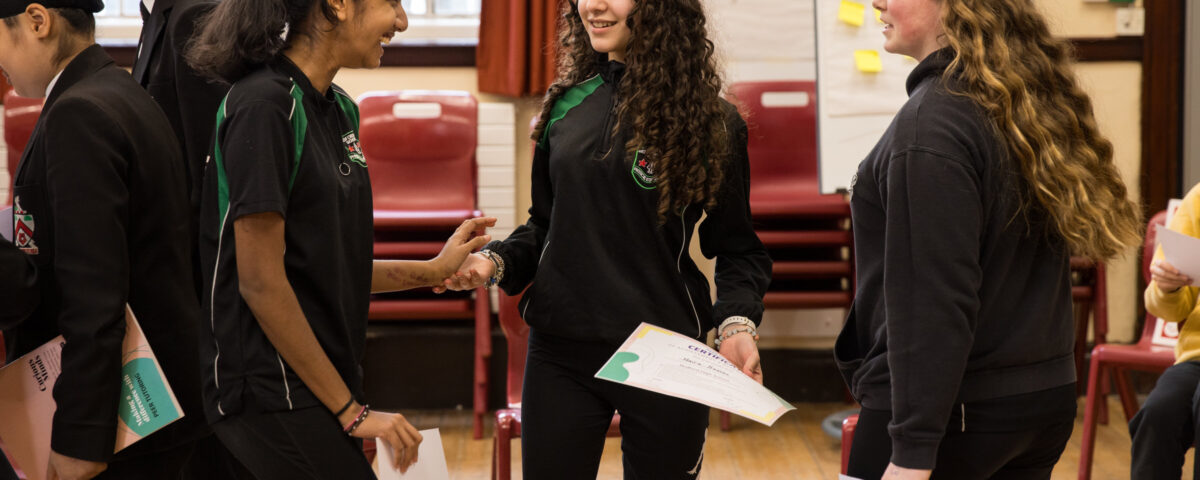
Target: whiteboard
(853,108)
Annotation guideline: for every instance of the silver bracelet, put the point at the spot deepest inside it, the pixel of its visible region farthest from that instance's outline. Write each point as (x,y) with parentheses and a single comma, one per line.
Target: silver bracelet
(498,262)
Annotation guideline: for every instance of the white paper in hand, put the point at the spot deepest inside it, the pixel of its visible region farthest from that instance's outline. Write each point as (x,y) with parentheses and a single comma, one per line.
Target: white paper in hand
(1181,251)
(431,460)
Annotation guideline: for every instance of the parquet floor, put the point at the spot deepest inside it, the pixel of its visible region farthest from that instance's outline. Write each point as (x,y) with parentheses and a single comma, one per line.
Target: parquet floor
(795,448)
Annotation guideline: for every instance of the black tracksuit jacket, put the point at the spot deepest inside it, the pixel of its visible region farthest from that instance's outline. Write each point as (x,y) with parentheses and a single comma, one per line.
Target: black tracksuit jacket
(959,297)
(599,261)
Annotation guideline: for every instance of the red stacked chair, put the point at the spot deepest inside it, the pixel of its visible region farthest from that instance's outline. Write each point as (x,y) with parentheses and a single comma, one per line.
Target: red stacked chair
(420,148)
(20,116)
(508,421)
(1119,359)
(806,233)
(849,425)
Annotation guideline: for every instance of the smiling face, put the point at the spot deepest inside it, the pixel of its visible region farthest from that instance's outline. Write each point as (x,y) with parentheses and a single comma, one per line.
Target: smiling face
(911,27)
(607,26)
(367,26)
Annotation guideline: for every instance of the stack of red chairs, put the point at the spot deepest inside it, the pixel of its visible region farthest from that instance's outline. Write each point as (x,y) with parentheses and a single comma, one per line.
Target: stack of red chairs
(1119,360)
(420,148)
(806,233)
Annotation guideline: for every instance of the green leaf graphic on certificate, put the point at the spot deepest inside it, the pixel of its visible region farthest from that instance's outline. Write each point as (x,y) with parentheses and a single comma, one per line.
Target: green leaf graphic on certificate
(145,404)
(615,368)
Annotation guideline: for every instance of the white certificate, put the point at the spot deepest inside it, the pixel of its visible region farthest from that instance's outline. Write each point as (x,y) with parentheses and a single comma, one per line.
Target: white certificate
(431,459)
(1181,251)
(659,360)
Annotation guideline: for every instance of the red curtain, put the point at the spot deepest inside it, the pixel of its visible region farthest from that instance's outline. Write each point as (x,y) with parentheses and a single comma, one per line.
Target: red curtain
(515,56)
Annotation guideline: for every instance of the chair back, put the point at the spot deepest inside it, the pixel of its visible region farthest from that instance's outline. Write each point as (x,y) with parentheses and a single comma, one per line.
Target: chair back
(516,334)
(20,116)
(781,118)
(1149,246)
(420,148)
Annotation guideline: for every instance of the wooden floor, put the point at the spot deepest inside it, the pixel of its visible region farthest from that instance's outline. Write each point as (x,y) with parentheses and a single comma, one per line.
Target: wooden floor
(795,448)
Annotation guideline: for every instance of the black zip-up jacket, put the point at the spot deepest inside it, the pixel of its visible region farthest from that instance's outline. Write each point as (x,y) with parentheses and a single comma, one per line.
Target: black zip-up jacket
(598,259)
(960,298)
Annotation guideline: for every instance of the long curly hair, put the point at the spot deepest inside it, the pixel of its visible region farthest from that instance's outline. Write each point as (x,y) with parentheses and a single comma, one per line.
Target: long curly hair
(1008,63)
(670,96)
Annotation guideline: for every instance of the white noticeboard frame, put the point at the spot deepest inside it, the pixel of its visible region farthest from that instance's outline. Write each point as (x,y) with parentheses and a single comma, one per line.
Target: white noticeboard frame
(854,108)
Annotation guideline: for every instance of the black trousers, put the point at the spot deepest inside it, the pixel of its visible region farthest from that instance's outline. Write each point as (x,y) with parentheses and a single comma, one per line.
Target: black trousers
(210,460)
(1166,426)
(565,412)
(302,444)
(168,464)
(1019,438)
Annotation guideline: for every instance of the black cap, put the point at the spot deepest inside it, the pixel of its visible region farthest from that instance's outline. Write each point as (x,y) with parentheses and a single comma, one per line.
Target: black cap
(9,8)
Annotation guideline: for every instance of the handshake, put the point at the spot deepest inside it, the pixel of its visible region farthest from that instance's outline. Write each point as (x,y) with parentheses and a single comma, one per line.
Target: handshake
(460,269)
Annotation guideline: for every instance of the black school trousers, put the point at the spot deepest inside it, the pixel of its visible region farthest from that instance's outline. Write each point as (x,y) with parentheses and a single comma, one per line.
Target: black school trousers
(302,444)
(566,411)
(1165,428)
(1018,437)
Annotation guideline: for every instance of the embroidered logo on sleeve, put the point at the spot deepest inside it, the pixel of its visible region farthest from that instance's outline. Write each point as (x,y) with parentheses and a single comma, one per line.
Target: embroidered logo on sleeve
(23,228)
(354,149)
(643,171)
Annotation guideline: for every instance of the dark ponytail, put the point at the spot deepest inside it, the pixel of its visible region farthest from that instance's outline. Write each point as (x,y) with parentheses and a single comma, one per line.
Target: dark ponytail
(239,36)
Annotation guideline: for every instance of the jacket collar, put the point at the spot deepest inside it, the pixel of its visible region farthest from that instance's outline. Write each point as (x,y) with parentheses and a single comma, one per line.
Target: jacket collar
(610,70)
(933,65)
(88,61)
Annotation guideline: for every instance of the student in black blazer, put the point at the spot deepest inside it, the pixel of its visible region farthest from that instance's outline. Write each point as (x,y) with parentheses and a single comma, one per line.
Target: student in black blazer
(189,100)
(99,204)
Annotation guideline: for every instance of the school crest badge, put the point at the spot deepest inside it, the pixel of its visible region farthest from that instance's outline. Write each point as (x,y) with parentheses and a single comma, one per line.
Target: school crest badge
(643,171)
(23,226)
(354,149)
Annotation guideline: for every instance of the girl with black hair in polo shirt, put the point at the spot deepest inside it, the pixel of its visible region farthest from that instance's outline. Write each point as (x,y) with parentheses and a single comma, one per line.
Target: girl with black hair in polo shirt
(634,144)
(286,239)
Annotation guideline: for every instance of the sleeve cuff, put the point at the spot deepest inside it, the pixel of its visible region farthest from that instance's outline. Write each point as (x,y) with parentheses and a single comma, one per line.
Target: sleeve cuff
(1159,302)
(915,454)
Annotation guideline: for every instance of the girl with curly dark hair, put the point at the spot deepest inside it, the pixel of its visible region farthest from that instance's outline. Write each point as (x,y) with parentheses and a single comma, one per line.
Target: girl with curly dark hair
(959,345)
(634,144)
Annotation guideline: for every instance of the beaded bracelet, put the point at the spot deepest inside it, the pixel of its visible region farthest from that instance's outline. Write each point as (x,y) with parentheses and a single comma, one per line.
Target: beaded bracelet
(358,420)
(736,319)
(725,336)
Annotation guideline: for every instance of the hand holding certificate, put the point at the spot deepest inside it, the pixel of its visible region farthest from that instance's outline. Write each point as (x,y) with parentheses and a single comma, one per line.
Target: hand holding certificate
(666,362)
(1181,251)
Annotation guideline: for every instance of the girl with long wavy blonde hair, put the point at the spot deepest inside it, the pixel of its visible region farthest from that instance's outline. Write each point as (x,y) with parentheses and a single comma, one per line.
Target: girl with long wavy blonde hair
(634,144)
(959,345)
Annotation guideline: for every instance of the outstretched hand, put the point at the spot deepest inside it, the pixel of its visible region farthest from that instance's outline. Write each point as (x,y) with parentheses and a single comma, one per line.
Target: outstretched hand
(467,238)
(472,274)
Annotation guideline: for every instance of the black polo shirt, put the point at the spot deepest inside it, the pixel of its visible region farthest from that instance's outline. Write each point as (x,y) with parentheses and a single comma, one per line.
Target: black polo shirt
(269,119)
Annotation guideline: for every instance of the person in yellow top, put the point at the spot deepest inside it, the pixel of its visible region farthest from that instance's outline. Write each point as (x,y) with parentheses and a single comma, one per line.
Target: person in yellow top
(1169,422)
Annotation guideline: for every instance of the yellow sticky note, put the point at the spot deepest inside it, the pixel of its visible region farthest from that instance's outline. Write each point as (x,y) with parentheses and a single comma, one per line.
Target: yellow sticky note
(851,12)
(878,15)
(868,61)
